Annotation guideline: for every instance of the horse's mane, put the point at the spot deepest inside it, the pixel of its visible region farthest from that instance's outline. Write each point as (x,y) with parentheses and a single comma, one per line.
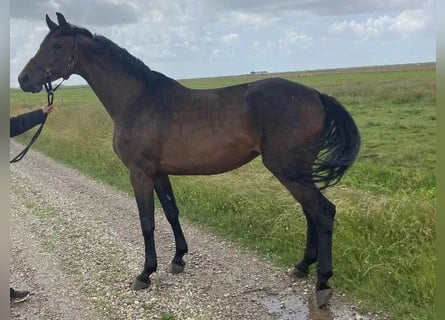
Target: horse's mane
(104,46)
(130,63)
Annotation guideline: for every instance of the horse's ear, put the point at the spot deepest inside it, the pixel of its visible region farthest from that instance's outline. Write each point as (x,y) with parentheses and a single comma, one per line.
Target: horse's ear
(61,19)
(51,24)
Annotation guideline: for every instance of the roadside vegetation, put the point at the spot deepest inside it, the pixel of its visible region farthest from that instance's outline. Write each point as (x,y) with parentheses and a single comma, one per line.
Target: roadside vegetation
(384,235)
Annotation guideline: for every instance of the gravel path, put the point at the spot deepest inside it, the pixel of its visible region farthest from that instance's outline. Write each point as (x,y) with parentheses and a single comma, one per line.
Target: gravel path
(77,245)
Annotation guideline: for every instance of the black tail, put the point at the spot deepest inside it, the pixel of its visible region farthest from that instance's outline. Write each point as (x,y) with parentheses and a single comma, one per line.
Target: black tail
(339,144)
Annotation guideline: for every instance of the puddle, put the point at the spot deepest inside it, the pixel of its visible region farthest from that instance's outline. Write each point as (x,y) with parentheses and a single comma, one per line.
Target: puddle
(294,307)
(287,308)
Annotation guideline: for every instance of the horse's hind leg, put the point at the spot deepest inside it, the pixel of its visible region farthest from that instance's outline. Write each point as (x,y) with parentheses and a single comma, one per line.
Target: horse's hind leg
(301,269)
(322,211)
(165,194)
(319,213)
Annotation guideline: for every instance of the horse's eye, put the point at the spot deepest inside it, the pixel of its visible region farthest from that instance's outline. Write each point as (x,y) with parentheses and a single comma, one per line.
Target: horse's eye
(57,46)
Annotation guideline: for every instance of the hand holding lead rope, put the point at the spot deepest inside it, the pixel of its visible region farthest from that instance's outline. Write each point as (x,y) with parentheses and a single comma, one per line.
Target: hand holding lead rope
(46,109)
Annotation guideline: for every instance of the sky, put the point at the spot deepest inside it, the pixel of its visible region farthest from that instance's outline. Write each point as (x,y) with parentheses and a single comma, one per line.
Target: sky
(206,38)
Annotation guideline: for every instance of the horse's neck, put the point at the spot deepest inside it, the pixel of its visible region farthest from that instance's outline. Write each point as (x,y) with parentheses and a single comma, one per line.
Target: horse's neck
(114,88)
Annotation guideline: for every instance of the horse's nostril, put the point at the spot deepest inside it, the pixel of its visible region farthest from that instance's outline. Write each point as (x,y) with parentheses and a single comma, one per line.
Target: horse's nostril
(24,79)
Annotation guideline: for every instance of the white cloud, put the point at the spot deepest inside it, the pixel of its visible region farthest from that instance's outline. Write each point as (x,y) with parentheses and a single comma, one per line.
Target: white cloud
(243,19)
(221,54)
(409,21)
(406,23)
(371,27)
(193,38)
(293,39)
(230,38)
(279,8)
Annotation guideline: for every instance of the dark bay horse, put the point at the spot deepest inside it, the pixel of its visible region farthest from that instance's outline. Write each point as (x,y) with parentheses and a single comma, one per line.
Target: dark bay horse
(306,138)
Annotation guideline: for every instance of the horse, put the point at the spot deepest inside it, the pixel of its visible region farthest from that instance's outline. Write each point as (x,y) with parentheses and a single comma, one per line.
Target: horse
(305,138)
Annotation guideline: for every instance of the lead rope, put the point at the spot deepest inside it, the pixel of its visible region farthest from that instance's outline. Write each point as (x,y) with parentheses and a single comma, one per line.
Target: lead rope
(50,96)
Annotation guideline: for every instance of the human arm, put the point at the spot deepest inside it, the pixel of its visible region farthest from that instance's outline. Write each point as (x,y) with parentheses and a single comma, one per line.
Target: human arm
(24,122)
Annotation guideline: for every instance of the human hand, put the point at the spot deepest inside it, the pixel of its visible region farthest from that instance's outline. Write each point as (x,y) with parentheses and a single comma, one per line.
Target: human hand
(47,108)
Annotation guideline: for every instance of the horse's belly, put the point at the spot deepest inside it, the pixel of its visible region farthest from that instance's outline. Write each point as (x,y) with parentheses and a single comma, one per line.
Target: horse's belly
(202,159)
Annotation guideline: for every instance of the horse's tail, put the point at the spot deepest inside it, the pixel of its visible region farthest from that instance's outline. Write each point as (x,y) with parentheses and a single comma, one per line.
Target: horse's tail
(339,144)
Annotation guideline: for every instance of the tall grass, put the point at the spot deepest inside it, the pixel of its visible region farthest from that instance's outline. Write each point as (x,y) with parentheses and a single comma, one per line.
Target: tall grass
(384,237)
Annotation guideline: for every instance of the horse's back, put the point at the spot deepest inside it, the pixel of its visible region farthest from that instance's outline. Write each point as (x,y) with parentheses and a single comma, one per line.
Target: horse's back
(282,95)
(285,111)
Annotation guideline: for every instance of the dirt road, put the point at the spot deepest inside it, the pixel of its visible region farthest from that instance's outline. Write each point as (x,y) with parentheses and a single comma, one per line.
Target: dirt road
(77,245)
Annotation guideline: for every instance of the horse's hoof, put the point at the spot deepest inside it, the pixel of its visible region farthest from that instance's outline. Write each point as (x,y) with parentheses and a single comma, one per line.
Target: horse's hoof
(176,267)
(323,296)
(297,273)
(139,285)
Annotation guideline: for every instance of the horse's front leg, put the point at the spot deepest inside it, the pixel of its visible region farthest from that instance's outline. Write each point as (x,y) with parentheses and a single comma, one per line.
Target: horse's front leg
(165,194)
(143,185)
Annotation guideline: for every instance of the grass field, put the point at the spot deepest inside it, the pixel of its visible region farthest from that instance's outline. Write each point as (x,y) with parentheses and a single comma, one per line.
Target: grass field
(384,239)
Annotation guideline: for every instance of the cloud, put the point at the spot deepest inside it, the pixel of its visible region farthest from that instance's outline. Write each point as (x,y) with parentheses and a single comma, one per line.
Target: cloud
(350,7)
(370,27)
(192,37)
(409,21)
(318,7)
(100,12)
(293,39)
(94,12)
(22,9)
(229,39)
(219,54)
(406,23)
(248,19)
(112,12)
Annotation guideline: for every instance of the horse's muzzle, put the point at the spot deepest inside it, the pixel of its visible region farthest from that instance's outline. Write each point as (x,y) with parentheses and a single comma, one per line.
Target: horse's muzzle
(27,85)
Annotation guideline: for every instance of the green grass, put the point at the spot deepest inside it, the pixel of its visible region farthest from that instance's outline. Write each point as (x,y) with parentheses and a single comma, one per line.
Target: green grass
(167,316)
(384,239)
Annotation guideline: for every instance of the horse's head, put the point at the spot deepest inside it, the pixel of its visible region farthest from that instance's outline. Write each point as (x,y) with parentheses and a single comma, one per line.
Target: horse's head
(55,58)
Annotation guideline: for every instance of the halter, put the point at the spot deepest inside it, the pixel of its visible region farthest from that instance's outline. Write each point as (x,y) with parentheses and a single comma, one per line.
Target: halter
(50,71)
(50,97)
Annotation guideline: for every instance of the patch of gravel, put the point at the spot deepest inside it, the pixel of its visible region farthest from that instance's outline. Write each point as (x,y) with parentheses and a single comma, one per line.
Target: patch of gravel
(77,245)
